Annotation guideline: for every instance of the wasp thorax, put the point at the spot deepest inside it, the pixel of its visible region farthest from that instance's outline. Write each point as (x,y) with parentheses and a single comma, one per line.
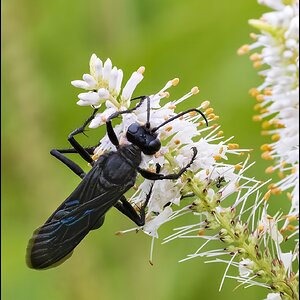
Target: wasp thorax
(142,137)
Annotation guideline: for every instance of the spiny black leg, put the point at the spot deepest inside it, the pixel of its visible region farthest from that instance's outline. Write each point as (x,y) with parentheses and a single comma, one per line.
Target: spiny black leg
(90,150)
(126,208)
(81,151)
(154,176)
(111,134)
(68,162)
(128,111)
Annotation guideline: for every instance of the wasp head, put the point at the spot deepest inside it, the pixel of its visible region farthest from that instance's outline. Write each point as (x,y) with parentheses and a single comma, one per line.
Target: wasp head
(142,137)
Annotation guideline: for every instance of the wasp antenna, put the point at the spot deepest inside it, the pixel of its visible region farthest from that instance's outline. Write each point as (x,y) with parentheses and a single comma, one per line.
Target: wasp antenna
(178,116)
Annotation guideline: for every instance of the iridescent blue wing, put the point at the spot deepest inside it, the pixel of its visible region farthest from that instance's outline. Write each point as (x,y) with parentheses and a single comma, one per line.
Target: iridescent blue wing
(81,212)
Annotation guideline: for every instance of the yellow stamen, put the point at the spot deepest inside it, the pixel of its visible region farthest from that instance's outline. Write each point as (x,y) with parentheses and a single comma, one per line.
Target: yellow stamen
(217,157)
(257,106)
(275,137)
(211,116)
(254,92)
(255,57)
(221,150)
(172,106)
(266,124)
(276,191)
(220,133)
(238,167)
(257,64)
(201,232)
(267,195)
(256,118)
(233,146)
(195,90)
(291,227)
(169,128)
(266,155)
(209,111)
(192,113)
(260,98)
(268,92)
(292,218)
(269,170)
(205,104)
(243,50)
(175,81)
(141,70)
(215,118)
(281,175)
(177,142)
(266,147)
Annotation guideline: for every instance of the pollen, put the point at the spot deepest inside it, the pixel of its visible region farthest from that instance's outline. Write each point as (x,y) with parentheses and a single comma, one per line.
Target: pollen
(215,118)
(201,123)
(141,70)
(266,147)
(175,81)
(238,167)
(205,104)
(257,64)
(257,106)
(103,119)
(220,133)
(169,128)
(192,113)
(255,57)
(260,98)
(267,195)
(264,133)
(266,155)
(201,232)
(275,137)
(292,218)
(254,92)
(256,118)
(291,227)
(233,146)
(177,142)
(281,175)
(266,124)
(261,228)
(263,111)
(221,150)
(276,191)
(195,90)
(268,92)
(217,157)
(209,111)
(165,94)
(211,116)
(243,50)
(269,170)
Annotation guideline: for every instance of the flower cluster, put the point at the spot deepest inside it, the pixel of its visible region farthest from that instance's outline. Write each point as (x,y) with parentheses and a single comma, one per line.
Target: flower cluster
(212,190)
(277,47)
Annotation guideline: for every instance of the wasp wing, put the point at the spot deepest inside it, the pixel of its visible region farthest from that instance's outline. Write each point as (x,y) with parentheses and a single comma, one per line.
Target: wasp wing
(81,212)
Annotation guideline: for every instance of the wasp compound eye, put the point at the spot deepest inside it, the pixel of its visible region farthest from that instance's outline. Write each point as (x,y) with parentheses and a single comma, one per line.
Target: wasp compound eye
(155,145)
(134,128)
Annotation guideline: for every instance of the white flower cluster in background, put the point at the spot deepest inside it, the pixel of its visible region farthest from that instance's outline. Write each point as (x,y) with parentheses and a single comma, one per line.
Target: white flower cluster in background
(278,97)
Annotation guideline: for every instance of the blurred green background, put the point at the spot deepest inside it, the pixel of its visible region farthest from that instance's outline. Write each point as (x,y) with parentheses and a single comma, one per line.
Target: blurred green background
(45,45)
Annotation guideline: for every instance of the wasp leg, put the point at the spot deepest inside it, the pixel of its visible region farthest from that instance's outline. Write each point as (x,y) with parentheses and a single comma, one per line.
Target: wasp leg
(154,176)
(127,209)
(68,162)
(81,151)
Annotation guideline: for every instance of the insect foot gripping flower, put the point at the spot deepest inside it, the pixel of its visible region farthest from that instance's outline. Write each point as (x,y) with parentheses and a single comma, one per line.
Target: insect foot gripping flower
(276,50)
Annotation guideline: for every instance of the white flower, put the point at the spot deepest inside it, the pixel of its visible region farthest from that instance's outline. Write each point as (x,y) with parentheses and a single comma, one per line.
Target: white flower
(278,96)
(273,296)
(245,267)
(152,226)
(104,85)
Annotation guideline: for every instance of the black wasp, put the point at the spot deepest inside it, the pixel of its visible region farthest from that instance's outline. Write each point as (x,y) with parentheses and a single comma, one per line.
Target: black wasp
(101,188)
